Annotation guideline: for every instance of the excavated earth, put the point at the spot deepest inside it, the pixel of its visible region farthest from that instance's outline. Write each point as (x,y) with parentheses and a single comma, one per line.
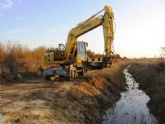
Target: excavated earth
(82,101)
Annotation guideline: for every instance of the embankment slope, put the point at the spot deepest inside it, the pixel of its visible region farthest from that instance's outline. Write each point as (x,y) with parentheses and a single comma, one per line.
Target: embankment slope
(150,74)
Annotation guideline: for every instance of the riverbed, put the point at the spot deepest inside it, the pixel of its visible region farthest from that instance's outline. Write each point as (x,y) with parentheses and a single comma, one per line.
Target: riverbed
(131,108)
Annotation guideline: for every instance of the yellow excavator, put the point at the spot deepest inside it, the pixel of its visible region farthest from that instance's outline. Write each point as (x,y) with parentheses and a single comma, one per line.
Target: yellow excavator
(70,60)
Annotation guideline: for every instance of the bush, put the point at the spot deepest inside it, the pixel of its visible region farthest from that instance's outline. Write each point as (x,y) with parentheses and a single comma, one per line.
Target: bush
(19,59)
(2,54)
(160,66)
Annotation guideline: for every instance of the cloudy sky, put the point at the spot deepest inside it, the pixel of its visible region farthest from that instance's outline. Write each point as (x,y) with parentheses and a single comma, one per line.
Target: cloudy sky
(140,24)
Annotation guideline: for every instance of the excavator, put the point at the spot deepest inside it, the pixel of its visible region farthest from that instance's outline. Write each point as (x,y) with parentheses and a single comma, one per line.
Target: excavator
(70,60)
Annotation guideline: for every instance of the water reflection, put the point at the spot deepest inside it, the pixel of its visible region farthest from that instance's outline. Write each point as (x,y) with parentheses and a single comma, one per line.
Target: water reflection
(132,106)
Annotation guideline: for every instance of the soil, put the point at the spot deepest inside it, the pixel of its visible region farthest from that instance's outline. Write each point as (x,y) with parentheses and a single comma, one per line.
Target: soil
(150,74)
(82,101)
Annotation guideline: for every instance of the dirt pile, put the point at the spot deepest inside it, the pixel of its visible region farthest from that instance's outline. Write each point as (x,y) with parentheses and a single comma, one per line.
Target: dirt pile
(73,102)
(151,77)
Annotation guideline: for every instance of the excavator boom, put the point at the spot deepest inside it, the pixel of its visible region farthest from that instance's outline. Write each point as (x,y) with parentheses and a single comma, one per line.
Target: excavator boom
(89,24)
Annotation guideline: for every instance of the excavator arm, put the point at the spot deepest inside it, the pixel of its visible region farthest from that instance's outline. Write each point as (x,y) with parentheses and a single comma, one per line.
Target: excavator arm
(91,23)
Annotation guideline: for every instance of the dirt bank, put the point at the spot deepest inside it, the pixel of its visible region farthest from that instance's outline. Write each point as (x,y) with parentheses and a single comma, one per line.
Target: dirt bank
(73,102)
(150,74)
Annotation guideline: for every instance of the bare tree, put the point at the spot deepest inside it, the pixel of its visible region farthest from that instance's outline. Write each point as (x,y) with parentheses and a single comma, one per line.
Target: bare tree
(162,55)
(162,51)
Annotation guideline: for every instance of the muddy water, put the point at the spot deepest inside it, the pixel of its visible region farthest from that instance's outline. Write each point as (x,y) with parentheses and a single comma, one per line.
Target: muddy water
(132,106)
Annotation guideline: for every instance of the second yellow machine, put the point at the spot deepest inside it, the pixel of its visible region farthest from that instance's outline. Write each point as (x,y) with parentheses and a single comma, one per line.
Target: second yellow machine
(69,60)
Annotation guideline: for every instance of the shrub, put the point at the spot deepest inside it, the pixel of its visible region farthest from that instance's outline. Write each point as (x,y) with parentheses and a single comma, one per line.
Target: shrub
(20,59)
(2,54)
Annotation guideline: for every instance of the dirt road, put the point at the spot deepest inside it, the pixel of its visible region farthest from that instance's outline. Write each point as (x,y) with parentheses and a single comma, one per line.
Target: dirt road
(73,102)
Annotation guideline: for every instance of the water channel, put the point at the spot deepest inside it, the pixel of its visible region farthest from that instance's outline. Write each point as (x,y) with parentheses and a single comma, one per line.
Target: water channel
(131,108)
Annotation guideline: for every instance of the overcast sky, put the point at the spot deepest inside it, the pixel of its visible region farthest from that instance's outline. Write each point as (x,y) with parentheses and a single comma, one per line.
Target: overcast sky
(140,24)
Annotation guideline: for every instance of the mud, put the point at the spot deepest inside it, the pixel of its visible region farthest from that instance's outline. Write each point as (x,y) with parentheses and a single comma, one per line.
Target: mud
(82,101)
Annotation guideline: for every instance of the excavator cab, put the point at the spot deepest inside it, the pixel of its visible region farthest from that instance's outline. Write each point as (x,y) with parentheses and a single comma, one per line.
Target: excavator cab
(81,51)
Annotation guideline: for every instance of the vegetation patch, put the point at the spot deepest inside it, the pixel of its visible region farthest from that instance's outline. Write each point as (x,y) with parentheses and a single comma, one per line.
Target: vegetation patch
(17,61)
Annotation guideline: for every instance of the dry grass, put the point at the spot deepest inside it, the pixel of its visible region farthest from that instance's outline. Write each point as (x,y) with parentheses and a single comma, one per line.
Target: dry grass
(150,74)
(20,59)
(2,53)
